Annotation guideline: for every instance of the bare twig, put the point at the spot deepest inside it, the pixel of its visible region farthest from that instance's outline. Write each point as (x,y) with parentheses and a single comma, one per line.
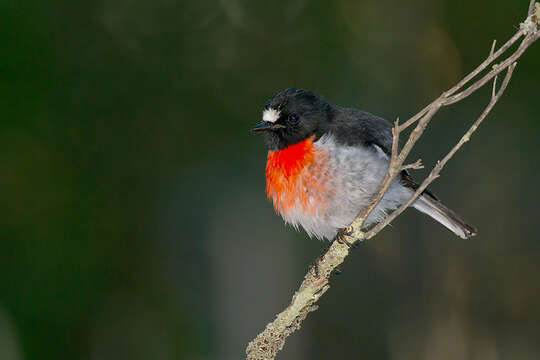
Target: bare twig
(493,47)
(494,88)
(415,166)
(316,282)
(527,41)
(466,79)
(532,7)
(440,164)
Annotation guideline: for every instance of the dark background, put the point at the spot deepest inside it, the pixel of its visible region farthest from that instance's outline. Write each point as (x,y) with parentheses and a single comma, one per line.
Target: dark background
(133,219)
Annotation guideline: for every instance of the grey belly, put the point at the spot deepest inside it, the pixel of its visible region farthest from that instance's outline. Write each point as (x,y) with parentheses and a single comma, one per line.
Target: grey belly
(355,175)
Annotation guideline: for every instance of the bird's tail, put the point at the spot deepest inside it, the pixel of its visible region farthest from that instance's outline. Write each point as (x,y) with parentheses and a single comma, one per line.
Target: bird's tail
(434,208)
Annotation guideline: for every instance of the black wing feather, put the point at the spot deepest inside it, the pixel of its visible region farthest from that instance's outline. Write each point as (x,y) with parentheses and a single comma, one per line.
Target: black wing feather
(354,127)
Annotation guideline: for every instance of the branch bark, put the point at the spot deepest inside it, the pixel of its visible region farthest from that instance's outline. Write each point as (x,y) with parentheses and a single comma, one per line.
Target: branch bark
(316,282)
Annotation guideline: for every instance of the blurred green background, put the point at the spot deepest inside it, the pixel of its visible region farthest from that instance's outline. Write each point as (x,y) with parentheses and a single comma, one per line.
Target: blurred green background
(133,219)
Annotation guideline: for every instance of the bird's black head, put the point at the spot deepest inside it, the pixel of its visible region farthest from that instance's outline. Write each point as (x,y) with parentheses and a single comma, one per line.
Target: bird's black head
(292,116)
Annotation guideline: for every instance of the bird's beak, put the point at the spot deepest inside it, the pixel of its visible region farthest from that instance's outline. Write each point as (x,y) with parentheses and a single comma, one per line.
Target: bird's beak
(267,126)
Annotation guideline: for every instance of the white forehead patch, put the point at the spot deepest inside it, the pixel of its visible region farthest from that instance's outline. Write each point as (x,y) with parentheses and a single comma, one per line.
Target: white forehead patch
(270,115)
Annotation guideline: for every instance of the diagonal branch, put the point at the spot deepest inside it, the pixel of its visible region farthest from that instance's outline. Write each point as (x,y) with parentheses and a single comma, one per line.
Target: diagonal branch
(316,282)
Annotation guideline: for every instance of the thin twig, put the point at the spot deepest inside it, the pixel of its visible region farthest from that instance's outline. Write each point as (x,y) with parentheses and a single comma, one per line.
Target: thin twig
(415,166)
(497,69)
(494,89)
(466,79)
(493,47)
(440,164)
(532,8)
(393,170)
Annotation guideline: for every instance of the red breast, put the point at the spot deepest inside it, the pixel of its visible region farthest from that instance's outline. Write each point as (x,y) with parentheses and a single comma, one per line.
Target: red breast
(295,175)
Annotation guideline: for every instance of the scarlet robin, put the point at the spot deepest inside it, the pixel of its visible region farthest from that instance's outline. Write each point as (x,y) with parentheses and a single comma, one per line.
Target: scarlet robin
(325,162)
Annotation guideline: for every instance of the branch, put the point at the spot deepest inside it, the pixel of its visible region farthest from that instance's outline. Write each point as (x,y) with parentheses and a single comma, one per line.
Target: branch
(316,282)
(532,7)
(467,78)
(440,164)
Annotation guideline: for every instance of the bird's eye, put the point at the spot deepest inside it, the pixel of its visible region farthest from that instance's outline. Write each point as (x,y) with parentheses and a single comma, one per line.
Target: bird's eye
(293,118)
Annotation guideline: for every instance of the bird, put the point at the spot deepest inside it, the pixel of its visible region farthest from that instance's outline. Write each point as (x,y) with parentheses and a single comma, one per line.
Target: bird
(325,163)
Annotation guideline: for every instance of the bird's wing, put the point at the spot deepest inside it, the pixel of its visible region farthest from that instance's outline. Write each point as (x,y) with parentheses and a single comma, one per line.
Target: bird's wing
(354,127)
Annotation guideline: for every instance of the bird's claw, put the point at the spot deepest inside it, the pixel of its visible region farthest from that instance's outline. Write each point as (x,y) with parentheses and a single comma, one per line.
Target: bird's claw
(314,266)
(340,238)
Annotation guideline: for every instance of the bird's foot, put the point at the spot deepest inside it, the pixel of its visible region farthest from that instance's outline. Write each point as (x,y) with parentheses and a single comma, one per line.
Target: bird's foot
(347,232)
(314,267)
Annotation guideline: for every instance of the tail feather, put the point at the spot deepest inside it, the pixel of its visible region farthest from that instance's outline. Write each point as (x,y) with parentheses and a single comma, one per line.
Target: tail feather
(434,208)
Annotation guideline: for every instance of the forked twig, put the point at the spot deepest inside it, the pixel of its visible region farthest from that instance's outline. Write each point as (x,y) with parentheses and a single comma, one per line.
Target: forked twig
(434,174)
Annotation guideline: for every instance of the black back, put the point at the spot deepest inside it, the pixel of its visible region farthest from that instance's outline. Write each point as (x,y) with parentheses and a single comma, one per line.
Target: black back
(355,127)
